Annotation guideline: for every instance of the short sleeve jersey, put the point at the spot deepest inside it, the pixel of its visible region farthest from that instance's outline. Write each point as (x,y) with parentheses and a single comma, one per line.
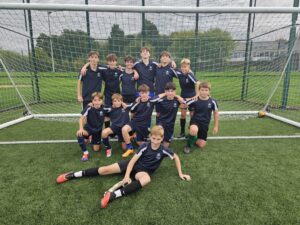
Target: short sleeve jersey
(94,118)
(168,110)
(187,84)
(163,75)
(150,159)
(143,111)
(91,82)
(202,110)
(111,78)
(128,84)
(118,116)
(146,73)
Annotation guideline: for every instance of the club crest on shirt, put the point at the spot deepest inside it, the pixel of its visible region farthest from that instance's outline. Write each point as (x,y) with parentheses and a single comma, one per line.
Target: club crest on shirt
(158,155)
(148,104)
(98,75)
(186,80)
(101,113)
(132,78)
(167,72)
(175,105)
(150,67)
(123,110)
(209,105)
(116,74)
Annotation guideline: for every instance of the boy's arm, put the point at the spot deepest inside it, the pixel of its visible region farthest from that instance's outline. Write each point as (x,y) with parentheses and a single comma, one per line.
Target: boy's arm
(173,64)
(135,75)
(180,99)
(81,124)
(126,179)
(79,95)
(162,95)
(178,167)
(84,69)
(216,122)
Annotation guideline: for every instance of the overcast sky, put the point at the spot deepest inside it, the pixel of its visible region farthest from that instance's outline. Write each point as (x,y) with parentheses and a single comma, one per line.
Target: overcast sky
(101,23)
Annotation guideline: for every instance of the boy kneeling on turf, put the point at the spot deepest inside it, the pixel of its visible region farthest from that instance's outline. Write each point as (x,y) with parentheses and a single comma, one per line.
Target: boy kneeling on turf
(90,124)
(144,163)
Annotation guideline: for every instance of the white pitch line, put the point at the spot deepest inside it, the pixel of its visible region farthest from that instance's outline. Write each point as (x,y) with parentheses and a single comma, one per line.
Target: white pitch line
(114,140)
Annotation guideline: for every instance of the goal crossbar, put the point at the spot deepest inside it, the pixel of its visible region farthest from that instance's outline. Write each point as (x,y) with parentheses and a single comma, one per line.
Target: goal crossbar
(146,9)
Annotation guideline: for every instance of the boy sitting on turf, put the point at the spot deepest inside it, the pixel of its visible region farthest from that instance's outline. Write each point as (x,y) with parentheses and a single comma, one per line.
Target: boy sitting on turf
(168,111)
(137,171)
(142,113)
(119,116)
(90,124)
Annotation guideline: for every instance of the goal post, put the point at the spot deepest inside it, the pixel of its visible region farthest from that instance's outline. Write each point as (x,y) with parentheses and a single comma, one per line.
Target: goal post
(252,62)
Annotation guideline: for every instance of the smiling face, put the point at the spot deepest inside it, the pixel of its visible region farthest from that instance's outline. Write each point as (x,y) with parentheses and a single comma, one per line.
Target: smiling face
(204,92)
(185,68)
(144,95)
(145,54)
(170,93)
(112,64)
(155,141)
(116,103)
(97,102)
(129,64)
(93,59)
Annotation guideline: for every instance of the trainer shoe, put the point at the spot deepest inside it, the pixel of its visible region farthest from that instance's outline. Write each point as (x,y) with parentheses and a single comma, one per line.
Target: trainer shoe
(108,152)
(64,177)
(128,153)
(187,150)
(85,157)
(108,197)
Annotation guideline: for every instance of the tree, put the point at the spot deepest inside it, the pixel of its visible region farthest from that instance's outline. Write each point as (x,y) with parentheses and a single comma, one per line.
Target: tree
(116,41)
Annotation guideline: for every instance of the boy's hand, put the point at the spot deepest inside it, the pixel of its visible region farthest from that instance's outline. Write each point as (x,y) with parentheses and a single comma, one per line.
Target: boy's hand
(124,105)
(126,180)
(173,64)
(215,130)
(185,177)
(79,99)
(80,132)
(180,99)
(135,75)
(83,71)
(120,68)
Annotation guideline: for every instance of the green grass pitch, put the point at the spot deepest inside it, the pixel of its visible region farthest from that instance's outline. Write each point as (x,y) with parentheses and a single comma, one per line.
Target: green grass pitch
(233,181)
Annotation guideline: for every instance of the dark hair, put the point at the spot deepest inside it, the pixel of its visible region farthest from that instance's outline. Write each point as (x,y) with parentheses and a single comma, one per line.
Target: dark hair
(145,48)
(170,86)
(111,57)
(93,53)
(143,88)
(165,53)
(129,58)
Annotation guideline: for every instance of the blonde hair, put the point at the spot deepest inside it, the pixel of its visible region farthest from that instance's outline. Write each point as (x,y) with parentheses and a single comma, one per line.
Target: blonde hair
(117,96)
(185,61)
(157,130)
(97,94)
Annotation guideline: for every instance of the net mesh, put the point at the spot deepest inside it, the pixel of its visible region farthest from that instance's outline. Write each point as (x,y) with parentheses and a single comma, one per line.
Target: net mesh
(243,56)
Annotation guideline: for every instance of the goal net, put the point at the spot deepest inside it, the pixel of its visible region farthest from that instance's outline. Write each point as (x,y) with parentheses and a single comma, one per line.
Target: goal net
(251,58)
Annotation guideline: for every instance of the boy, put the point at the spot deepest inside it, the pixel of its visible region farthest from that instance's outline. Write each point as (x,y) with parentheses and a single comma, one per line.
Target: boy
(165,73)
(203,106)
(128,81)
(90,124)
(146,69)
(187,82)
(168,111)
(139,123)
(140,168)
(91,82)
(119,116)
